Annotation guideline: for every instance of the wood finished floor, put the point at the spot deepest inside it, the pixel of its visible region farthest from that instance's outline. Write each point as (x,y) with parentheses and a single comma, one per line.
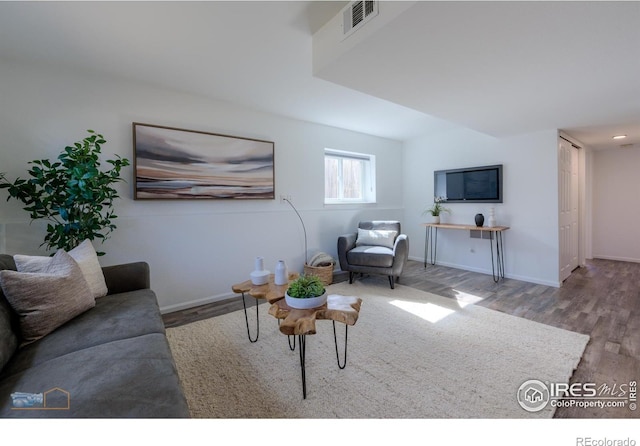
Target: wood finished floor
(601,299)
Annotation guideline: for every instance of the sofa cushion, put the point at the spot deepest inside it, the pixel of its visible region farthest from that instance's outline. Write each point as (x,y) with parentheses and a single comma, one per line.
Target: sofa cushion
(128,378)
(7,262)
(377,256)
(9,327)
(86,257)
(376,237)
(8,336)
(46,300)
(114,317)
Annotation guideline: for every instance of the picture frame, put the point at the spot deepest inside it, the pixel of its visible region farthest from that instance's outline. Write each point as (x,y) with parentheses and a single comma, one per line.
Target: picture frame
(174,163)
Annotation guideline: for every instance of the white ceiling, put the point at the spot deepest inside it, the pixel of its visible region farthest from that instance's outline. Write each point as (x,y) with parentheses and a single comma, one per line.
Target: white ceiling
(499,68)
(505,68)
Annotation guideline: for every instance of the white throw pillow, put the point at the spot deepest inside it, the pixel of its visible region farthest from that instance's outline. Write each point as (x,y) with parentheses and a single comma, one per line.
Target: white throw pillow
(84,254)
(376,237)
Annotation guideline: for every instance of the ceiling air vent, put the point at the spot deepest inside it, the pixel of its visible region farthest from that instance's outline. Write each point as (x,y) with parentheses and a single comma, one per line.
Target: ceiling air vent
(356,14)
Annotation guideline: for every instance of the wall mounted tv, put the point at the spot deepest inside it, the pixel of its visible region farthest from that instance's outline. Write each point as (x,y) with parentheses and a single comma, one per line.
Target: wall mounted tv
(469,185)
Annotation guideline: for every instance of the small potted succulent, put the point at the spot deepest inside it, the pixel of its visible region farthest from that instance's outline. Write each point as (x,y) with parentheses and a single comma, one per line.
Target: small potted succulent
(307,291)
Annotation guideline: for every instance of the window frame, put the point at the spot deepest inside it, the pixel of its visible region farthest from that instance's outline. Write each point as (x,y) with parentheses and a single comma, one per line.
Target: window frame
(368,177)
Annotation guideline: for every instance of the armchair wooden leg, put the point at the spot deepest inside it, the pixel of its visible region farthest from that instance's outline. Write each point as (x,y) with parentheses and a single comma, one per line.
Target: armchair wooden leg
(350,277)
(391,282)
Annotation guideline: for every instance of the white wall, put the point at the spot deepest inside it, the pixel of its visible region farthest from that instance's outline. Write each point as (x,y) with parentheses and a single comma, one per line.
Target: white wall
(529,208)
(196,249)
(616,204)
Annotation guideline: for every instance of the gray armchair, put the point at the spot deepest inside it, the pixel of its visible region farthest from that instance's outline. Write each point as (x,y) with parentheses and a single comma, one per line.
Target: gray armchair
(378,247)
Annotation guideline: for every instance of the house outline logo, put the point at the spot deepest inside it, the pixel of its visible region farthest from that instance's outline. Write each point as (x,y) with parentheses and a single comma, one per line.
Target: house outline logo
(55,398)
(533,395)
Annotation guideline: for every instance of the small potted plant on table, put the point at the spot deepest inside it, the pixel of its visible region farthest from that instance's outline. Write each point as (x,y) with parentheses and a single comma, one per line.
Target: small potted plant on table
(437,209)
(307,291)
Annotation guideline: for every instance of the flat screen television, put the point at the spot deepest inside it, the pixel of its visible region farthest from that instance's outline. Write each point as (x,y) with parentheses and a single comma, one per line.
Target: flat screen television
(474,184)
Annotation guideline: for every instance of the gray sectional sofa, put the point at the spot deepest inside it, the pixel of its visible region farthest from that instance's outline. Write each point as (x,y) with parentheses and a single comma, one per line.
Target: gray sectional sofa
(112,361)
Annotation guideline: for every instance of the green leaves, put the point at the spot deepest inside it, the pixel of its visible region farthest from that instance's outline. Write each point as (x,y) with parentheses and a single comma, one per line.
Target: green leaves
(72,193)
(437,207)
(305,287)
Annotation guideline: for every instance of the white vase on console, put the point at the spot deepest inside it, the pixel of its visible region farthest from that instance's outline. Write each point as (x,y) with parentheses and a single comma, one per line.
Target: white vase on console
(492,218)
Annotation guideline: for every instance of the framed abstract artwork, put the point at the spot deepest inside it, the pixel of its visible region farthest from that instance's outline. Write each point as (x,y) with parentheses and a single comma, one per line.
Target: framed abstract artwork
(173,163)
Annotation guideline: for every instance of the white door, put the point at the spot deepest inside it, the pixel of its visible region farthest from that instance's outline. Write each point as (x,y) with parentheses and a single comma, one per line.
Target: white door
(568,167)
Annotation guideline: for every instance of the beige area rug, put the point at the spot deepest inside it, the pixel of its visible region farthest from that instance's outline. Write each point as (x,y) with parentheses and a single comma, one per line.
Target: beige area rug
(410,355)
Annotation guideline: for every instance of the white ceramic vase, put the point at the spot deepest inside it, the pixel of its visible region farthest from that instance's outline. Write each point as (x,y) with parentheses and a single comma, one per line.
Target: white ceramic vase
(259,275)
(492,218)
(281,274)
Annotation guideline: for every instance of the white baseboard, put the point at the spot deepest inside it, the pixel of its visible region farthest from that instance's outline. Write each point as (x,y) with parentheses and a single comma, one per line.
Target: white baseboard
(195,303)
(210,299)
(164,309)
(619,259)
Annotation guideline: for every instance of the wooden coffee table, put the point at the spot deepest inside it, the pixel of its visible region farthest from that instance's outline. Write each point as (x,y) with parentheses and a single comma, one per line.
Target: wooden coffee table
(269,291)
(300,323)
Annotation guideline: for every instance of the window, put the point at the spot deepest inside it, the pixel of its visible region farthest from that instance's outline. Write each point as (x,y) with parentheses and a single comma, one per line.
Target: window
(349,177)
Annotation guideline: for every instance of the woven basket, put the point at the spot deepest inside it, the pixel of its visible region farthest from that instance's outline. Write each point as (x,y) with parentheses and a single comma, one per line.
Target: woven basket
(325,273)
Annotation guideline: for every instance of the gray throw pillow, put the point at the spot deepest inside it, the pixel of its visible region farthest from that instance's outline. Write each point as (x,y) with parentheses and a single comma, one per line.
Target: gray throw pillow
(46,300)
(84,254)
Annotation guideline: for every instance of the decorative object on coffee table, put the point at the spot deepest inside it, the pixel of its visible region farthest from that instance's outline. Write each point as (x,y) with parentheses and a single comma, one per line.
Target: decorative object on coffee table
(306,292)
(281,273)
(259,275)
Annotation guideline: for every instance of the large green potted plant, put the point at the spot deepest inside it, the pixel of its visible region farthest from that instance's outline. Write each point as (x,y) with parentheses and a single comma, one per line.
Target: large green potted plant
(72,193)
(307,291)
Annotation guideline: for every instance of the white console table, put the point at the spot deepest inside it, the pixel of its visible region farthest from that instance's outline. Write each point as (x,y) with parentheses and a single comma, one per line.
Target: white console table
(495,234)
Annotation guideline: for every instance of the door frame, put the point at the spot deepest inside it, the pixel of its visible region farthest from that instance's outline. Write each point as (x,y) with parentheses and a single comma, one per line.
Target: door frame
(584,156)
